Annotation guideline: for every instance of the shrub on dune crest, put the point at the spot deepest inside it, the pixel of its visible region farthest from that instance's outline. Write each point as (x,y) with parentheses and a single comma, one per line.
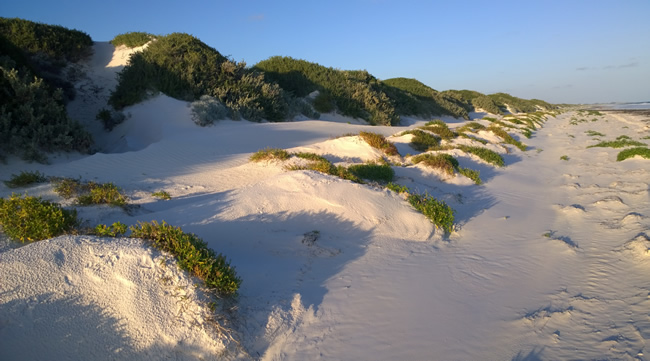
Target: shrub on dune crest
(507,137)
(442,161)
(132,39)
(630,153)
(423,141)
(270,154)
(373,172)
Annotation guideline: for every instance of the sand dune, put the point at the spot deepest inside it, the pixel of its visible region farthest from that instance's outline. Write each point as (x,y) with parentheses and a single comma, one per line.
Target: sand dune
(549,259)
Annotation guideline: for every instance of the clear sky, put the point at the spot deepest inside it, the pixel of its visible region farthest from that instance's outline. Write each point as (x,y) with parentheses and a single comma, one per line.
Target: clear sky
(561,51)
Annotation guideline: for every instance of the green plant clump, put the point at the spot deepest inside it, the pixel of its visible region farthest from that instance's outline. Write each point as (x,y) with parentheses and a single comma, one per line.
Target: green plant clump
(192,253)
(442,161)
(33,219)
(437,211)
(25,179)
(564,157)
(132,39)
(423,141)
(508,138)
(270,154)
(620,142)
(378,141)
(117,229)
(106,193)
(631,152)
(472,174)
(593,133)
(162,195)
(397,188)
(373,172)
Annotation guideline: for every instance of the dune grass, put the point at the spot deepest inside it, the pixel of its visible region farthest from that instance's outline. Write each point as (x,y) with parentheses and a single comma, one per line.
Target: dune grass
(507,138)
(162,195)
(438,212)
(24,179)
(442,161)
(471,126)
(270,154)
(620,142)
(631,152)
(472,174)
(373,172)
(593,133)
(485,154)
(378,141)
(440,128)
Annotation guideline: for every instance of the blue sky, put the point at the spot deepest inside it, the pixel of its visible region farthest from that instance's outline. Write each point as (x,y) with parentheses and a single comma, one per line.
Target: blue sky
(569,51)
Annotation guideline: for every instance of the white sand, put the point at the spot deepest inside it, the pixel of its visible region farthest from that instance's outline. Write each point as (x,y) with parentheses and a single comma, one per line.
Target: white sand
(550,260)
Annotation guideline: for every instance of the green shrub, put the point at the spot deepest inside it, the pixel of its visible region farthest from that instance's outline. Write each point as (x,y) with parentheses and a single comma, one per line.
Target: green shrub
(486,103)
(324,103)
(117,229)
(471,174)
(411,97)
(440,128)
(110,119)
(373,172)
(440,214)
(442,161)
(270,154)
(507,137)
(423,141)
(485,154)
(564,157)
(526,133)
(69,188)
(471,126)
(33,119)
(378,141)
(397,188)
(192,254)
(132,39)
(33,219)
(631,152)
(162,195)
(185,68)
(25,179)
(106,193)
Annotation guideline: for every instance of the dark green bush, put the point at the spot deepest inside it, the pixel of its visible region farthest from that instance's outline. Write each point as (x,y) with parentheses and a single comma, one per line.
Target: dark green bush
(183,67)
(109,119)
(192,254)
(33,219)
(132,39)
(324,103)
(25,179)
(33,119)
(411,97)
(437,211)
(373,172)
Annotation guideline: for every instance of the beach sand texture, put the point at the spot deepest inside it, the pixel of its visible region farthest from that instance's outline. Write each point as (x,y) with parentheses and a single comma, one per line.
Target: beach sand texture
(549,261)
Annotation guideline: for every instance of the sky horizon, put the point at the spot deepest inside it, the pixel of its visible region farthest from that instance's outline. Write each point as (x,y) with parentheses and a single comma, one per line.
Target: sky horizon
(558,51)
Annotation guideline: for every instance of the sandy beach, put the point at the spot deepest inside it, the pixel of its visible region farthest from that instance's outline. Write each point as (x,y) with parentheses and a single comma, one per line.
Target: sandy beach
(549,259)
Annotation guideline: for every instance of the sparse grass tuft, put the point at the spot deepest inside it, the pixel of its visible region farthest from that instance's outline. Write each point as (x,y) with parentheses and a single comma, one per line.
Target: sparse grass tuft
(69,188)
(507,137)
(397,187)
(485,154)
(162,195)
(25,179)
(620,142)
(631,152)
(33,219)
(437,211)
(593,133)
(310,156)
(378,141)
(192,253)
(564,157)
(270,154)
(471,126)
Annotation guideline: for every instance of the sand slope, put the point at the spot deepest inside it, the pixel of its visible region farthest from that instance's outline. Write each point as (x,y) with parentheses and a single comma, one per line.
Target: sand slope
(549,261)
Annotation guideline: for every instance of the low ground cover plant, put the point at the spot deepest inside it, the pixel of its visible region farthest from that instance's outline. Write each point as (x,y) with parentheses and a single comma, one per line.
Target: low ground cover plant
(27,218)
(507,138)
(24,179)
(107,193)
(117,229)
(440,128)
(423,141)
(620,142)
(373,172)
(440,214)
(378,141)
(132,39)
(631,152)
(471,126)
(472,174)
(593,133)
(162,195)
(564,157)
(270,154)
(442,161)
(192,253)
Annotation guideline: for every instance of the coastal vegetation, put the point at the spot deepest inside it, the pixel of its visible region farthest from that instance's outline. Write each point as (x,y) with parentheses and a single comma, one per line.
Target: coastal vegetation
(632,152)
(132,39)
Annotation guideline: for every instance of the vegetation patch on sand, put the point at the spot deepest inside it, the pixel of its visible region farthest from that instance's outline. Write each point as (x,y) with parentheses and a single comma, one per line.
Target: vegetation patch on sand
(620,142)
(27,218)
(632,152)
(378,141)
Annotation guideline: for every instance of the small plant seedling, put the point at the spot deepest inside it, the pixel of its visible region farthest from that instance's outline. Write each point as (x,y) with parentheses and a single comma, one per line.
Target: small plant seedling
(162,195)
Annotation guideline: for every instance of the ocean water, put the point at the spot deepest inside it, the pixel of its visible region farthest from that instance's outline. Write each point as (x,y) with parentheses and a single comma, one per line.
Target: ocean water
(624,106)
